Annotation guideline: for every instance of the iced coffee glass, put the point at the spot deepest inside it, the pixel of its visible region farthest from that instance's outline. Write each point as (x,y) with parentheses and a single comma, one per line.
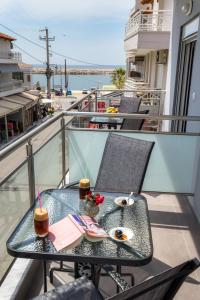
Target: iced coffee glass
(41,222)
(84,188)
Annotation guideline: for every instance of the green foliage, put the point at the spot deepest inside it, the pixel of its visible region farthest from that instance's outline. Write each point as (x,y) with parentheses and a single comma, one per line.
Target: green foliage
(118,78)
(38,87)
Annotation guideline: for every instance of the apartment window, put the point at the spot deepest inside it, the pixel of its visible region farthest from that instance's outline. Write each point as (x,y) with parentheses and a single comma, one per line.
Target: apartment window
(18,75)
(184,73)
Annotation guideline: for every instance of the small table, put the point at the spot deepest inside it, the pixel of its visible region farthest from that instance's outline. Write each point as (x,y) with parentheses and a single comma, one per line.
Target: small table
(25,244)
(111,122)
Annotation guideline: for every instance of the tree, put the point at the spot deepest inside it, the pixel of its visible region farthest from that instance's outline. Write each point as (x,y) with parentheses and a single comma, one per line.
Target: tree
(118,78)
(38,87)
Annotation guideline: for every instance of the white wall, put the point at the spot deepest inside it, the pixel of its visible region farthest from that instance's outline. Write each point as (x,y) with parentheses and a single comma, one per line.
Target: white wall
(4,46)
(165,4)
(5,77)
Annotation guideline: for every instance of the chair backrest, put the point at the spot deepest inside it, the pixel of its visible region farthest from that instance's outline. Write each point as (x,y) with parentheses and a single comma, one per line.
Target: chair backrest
(129,105)
(81,288)
(123,164)
(134,124)
(160,287)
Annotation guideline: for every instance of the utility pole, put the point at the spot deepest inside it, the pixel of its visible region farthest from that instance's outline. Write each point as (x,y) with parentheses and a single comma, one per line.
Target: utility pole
(47,39)
(66,77)
(61,89)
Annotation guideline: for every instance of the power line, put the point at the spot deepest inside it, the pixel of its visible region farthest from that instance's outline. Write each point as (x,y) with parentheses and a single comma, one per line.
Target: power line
(37,59)
(54,52)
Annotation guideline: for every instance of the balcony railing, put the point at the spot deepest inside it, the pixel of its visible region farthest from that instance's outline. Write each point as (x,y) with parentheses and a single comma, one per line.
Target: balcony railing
(78,151)
(12,85)
(11,55)
(149,21)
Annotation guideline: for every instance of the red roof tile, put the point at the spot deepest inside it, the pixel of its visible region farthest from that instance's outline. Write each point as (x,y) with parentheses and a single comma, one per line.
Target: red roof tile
(6,37)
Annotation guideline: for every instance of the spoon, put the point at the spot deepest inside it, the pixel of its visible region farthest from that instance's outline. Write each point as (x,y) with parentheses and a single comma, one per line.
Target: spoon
(129,197)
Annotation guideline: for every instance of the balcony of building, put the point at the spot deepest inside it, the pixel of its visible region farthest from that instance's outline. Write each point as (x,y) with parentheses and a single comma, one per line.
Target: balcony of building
(148,30)
(10,57)
(170,187)
(12,87)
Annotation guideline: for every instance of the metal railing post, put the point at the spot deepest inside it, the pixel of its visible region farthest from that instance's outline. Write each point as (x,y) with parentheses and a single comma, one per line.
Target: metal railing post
(62,124)
(95,101)
(31,172)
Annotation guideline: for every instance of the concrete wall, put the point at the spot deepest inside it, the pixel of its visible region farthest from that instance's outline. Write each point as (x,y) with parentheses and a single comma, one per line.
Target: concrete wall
(166,4)
(5,77)
(4,46)
(194,103)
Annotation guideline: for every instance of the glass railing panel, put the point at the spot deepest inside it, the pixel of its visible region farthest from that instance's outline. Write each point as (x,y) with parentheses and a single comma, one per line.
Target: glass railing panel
(48,164)
(14,202)
(66,151)
(172,166)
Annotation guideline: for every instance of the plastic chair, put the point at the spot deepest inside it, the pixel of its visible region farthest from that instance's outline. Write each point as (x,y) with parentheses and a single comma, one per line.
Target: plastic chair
(10,129)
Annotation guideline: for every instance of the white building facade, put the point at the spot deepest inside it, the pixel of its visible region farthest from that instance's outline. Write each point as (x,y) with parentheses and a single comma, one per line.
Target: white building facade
(18,105)
(146,43)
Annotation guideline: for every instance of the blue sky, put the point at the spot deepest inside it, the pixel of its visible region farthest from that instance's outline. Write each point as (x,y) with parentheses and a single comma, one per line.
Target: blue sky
(90,30)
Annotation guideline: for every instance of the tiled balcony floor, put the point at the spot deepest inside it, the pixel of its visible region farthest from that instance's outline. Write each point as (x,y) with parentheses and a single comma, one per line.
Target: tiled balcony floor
(176,238)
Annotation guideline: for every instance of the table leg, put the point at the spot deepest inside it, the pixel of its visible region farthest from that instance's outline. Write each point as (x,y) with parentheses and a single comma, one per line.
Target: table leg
(45,275)
(96,270)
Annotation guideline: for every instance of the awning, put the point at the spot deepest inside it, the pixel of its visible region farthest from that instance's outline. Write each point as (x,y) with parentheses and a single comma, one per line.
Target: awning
(13,103)
(29,95)
(7,68)
(7,107)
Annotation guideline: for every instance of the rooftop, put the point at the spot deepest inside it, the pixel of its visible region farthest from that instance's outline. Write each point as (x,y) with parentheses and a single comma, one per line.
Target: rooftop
(6,37)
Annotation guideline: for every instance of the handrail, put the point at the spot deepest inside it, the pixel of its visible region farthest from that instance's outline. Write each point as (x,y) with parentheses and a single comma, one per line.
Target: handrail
(27,137)
(133,91)
(133,116)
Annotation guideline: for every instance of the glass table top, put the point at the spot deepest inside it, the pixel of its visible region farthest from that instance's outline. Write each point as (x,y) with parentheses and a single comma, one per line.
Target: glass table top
(100,120)
(138,251)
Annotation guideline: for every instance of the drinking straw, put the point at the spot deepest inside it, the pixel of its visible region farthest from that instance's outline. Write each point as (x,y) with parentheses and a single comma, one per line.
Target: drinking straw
(40,200)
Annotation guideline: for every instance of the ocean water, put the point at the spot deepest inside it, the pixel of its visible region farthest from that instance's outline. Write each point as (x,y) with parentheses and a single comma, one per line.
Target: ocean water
(75,82)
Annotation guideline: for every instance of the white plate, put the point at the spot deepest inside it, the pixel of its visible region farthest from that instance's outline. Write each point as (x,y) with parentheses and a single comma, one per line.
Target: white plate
(127,231)
(118,201)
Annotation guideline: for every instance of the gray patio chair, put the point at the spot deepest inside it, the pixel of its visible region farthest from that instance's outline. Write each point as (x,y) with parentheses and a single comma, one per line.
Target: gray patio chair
(127,158)
(82,288)
(134,124)
(129,105)
(123,167)
(163,286)
(131,157)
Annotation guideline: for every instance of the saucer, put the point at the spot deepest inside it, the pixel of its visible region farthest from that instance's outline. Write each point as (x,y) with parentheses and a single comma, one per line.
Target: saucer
(118,201)
(127,231)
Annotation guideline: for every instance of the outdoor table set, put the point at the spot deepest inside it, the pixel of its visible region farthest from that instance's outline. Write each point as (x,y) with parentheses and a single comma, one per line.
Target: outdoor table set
(135,252)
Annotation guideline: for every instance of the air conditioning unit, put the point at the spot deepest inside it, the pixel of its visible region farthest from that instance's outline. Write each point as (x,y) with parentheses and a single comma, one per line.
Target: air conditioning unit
(162,56)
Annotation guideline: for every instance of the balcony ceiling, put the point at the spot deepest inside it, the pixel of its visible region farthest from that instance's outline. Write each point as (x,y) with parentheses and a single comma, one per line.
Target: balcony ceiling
(148,40)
